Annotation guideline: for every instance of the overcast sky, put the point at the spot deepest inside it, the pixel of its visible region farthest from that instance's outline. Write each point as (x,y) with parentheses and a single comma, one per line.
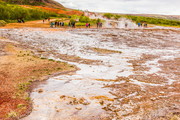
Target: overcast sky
(169,7)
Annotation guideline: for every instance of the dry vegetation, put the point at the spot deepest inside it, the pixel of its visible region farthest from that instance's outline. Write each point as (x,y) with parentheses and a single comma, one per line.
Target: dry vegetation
(33,24)
(104,51)
(138,63)
(151,102)
(19,68)
(62,11)
(170,67)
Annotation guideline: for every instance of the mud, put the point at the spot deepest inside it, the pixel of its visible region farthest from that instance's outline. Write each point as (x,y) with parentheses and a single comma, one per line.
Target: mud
(140,81)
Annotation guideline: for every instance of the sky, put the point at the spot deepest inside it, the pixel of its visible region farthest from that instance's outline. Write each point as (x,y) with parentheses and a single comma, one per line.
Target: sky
(166,7)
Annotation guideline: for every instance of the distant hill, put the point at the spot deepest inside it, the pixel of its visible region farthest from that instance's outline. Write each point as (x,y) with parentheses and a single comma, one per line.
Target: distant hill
(47,3)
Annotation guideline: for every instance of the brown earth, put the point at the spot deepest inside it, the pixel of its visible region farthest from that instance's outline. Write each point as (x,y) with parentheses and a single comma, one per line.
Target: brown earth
(19,68)
(160,102)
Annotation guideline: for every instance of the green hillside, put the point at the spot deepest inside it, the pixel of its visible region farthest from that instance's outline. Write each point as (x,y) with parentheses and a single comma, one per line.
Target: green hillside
(47,3)
(11,12)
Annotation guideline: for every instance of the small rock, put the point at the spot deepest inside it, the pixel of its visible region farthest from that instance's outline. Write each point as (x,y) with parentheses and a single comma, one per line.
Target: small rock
(78,108)
(63,96)
(57,110)
(40,90)
(153,99)
(101,102)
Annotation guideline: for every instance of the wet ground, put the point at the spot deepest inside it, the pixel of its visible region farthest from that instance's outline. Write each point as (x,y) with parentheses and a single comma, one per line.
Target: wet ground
(137,80)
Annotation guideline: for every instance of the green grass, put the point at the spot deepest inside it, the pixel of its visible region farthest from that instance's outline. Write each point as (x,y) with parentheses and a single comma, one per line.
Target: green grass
(23,86)
(25,2)
(28,98)
(156,21)
(20,105)
(2,23)
(148,20)
(80,24)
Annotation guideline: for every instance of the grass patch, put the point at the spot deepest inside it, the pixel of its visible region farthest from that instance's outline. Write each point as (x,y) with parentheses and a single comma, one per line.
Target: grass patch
(12,114)
(20,105)
(2,23)
(23,86)
(105,51)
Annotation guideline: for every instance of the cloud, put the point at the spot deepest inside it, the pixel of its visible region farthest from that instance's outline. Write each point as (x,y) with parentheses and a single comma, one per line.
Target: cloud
(126,6)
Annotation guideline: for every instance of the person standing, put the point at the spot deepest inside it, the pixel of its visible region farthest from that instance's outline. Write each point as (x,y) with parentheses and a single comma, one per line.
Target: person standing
(23,21)
(62,24)
(97,24)
(55,24)
(89,25)
(100,25)
(73,24)
(145,25)
(126,25)
(139,24)
(69,24)
(51,24)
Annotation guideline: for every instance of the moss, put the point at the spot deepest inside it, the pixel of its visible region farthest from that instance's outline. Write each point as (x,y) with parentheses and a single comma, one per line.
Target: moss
(105,51)
(12,114)
(20,105)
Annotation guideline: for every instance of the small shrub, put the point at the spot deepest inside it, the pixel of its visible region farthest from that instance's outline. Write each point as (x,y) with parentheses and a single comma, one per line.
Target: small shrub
(12,114)
(23,86)
(59,68)
(51,60)
(43,58)
(2,23)
(28,98)
(108,15)
(20,105)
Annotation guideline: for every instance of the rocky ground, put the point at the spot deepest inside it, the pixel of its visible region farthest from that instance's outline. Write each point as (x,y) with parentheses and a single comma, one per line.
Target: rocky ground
(124,74)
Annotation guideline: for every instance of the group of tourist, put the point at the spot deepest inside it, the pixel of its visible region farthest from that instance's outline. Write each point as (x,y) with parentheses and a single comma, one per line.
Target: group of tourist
(88,25)
(20,21)
(62,24)
(72,24)
(99,25)
(57,24)
(142,24)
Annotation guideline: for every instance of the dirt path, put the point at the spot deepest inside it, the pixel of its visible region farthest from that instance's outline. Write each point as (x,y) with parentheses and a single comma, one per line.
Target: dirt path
(34,24)
(39,24)
(138,77)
